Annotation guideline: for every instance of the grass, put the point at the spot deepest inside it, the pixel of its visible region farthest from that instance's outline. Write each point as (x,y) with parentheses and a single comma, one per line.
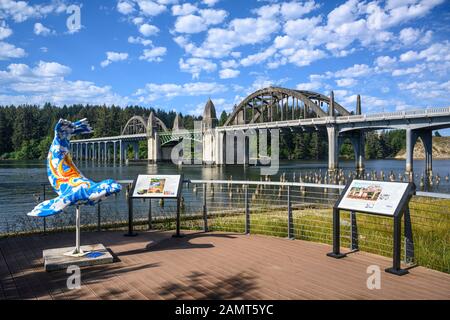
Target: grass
(430,220)
(430,225)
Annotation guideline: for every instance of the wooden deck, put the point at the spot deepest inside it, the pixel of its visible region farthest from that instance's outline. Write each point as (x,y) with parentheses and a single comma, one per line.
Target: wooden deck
(207,266)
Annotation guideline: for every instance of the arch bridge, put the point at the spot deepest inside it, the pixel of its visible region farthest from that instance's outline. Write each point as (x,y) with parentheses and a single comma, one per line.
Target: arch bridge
(265,109)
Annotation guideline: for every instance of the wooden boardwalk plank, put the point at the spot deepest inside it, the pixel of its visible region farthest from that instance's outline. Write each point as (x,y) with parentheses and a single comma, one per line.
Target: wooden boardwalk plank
(207,266)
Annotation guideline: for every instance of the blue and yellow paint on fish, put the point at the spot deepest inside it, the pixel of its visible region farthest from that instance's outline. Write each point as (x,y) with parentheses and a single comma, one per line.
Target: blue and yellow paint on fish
(72,187)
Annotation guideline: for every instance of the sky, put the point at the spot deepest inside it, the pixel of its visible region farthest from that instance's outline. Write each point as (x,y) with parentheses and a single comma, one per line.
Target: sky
(175,54)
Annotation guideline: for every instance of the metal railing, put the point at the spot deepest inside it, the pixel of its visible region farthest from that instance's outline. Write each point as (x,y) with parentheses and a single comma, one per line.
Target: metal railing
(284,209)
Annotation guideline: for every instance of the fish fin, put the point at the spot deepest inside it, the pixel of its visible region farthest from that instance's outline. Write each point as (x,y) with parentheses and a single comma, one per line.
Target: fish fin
(50,207)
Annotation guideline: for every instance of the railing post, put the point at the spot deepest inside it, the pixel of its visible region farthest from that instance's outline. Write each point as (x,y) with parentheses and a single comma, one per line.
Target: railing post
(409,242)
(205,212)
(43,199)
(396,266)
(353,232)
(336,236)
(247,211)
(99,222)
(290,218)
(150,214)
(130,233)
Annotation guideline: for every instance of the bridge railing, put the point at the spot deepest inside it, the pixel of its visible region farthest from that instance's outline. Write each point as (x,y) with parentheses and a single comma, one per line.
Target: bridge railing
(284,209)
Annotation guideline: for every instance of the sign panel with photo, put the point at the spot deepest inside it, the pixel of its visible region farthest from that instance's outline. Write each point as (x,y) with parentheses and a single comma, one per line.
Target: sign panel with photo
(157,186)
(377,197)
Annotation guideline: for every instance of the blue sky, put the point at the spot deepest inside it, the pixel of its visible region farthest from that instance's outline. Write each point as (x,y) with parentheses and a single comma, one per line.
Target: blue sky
(174,54)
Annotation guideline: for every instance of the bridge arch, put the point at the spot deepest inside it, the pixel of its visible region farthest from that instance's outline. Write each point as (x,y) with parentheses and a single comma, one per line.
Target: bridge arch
(276,103)
(135,125)
(139,125)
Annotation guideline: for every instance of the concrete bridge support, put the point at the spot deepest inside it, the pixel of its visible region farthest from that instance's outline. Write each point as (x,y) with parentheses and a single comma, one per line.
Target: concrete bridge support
(358,141)
(220,148)
(333,148)
(426,136)
(154,148)
(136,150)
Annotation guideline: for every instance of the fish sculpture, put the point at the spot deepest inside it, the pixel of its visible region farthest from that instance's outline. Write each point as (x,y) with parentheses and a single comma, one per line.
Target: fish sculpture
(72,187)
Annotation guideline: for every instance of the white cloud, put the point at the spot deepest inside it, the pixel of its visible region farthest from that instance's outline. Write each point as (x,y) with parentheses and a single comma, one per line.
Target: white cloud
(346,82)
(301,27)
(138,20)
(437,52)
(112,56)
(210,3)
(148,30)
(150,8)
(409,35)
(309,86)
(51,69)
(191,23)
(153,54)
(427,89)
(258,57)
(139,40)
(5,31)
(9,51)
(41,30)
(220,42)
(294,10)
(212,16)
(46,83)
(228,73)
(385,62)
(183,9)
(195,66)
(357,70)
(411,70)
(287,10)
(125,7)
(21,11)
(229,64)
(153,91)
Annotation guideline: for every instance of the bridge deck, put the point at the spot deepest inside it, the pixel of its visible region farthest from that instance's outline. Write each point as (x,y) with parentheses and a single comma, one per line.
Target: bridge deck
(207,266)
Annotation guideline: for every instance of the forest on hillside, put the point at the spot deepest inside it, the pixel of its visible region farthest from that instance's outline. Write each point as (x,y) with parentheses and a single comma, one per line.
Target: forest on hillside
(26,132)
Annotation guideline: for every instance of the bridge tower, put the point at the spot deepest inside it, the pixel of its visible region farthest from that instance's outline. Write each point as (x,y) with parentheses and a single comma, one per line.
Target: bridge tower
(209,122)
(153,141)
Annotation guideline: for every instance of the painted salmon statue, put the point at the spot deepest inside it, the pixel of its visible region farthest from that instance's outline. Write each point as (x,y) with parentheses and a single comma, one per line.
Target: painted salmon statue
(72,187)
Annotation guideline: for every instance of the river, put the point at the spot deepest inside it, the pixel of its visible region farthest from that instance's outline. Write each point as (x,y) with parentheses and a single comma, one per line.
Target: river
(20,180)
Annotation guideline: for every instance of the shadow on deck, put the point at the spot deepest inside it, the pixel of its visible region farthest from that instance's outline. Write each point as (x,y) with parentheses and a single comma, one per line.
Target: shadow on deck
(207,266)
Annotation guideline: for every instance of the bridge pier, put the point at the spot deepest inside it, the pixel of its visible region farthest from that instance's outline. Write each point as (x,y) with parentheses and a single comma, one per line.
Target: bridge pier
(120,152)
(136,150)
(358,141)
(333,148)
(220,148)
(426,136)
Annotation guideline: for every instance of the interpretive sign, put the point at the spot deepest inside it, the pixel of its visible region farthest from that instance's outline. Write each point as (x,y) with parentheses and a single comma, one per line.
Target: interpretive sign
(157,186)
(378,197)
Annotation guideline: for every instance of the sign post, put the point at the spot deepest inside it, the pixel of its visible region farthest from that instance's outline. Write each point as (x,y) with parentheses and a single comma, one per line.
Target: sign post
(156,187)
(377,198)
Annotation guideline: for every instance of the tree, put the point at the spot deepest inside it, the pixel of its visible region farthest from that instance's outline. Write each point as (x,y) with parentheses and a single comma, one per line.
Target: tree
(223,118)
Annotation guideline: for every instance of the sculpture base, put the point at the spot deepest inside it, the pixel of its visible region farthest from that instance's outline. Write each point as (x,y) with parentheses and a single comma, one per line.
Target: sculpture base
(62,258)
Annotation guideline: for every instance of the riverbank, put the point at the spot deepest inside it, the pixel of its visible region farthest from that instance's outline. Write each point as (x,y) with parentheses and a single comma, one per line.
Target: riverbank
(441,149)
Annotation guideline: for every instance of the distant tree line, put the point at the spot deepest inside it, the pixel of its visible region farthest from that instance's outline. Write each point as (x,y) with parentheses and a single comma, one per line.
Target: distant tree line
(26,132)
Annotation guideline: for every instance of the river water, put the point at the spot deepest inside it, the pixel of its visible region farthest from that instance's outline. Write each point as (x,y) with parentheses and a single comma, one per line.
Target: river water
(20,180)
